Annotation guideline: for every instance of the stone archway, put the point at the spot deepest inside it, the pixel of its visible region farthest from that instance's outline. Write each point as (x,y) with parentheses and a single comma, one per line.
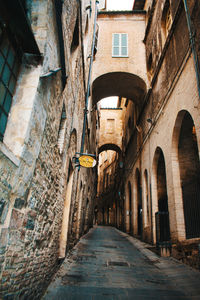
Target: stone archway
(186,171)
(120,84)
(139,203)
(110,146)
(160,189)
(130,208)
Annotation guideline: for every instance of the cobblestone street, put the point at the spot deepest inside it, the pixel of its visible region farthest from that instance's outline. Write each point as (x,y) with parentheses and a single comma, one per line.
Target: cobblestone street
(109,264)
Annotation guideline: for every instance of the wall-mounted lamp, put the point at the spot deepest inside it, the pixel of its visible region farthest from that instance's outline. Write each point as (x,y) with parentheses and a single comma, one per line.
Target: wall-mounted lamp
(149,121)
(50,73)
(121,164)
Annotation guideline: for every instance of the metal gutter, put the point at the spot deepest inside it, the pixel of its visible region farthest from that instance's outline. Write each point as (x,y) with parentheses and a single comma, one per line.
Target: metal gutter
(192,43)
(89,78)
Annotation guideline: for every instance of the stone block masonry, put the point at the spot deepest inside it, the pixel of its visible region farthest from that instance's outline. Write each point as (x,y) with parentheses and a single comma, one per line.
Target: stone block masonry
(33,170)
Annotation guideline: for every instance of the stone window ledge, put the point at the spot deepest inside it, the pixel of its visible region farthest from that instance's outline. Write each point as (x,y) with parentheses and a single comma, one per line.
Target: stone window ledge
(9,154)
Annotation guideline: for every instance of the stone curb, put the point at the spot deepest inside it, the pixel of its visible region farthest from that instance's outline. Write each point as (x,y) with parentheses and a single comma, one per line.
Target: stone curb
(141,246)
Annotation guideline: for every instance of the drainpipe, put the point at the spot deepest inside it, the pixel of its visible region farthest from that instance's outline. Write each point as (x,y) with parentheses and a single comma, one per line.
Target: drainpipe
(89,78)
(192,43)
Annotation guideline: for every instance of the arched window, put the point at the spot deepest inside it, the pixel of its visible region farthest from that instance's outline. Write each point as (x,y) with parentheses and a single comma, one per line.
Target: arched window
(75,39)
(166,21)
(139,203)
(61,133)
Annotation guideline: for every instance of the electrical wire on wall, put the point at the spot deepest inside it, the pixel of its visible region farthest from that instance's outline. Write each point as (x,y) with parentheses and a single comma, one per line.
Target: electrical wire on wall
(89,78)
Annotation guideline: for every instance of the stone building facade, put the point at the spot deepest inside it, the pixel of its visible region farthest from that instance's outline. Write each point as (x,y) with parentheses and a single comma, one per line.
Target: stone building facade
(149,58)
(161,171)
(46,202)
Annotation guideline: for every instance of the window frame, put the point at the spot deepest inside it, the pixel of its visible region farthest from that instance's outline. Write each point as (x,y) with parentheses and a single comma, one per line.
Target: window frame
(13,73)
(120,44)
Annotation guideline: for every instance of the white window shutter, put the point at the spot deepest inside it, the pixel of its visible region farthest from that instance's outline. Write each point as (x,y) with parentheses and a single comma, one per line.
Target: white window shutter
(124,44)
(120,45)
(116,44)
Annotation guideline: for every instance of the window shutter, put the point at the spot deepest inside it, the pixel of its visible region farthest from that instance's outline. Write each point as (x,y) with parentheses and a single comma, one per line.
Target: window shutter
(10,60)
(116,47)
(120,45)
(124,49)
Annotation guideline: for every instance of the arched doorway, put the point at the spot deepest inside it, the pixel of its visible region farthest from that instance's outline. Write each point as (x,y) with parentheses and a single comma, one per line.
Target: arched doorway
(68,195)
(162,215)
(122,209)
(189,167)
(66,210)
(130,208)
(106,147)
(146,198)
(139,203)
(79,208)
(122,84)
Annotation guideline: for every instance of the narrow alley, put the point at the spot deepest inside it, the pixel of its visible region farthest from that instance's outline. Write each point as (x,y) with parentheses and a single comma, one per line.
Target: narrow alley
(109,264)
(99,149)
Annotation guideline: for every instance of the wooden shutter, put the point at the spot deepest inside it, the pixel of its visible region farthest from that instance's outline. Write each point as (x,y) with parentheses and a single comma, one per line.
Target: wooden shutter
(116,44)
(124,44)
(120,45)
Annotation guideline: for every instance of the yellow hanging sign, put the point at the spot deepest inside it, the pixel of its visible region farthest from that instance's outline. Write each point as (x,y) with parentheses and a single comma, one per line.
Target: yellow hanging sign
(87,161)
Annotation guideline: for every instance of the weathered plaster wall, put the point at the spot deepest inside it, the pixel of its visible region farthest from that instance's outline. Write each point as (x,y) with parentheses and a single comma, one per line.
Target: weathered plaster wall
(111,127)
(134,26)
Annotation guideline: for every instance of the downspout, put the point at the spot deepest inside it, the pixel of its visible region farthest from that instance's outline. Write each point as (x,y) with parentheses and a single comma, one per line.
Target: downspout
(192,43)
(89,78)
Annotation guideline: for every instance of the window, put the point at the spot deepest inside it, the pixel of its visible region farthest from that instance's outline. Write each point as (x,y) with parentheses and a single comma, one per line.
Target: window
(120,45)
(149,66)
(110,126)
(166,21)
(75,39)
(105,156)
(10,61)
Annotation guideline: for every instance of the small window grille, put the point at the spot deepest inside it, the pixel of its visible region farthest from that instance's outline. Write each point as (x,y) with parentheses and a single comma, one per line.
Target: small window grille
(10,61)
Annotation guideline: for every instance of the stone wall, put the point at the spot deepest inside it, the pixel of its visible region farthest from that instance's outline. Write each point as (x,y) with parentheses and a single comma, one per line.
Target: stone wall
(33,179)
(173,91)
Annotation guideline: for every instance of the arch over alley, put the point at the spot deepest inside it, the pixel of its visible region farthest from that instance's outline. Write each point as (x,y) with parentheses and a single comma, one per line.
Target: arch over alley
(122,84)
(106,147)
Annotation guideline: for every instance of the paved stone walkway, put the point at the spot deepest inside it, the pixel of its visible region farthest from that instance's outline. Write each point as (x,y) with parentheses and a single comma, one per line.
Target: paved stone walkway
(109,265)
